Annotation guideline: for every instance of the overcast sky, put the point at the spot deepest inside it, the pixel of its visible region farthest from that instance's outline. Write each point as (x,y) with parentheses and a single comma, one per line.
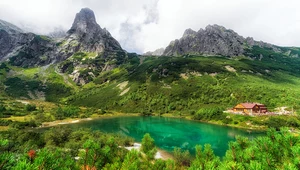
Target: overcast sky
(145,25)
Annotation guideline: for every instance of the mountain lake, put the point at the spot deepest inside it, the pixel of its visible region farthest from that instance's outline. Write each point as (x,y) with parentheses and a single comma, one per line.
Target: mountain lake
(169,133)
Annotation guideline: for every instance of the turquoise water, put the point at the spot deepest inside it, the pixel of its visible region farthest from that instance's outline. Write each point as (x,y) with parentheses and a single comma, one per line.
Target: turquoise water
(169,132)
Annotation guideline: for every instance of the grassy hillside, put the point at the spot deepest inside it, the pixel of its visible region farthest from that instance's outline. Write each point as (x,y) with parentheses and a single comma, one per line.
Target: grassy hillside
(177,85)
(185,84)
(42,83)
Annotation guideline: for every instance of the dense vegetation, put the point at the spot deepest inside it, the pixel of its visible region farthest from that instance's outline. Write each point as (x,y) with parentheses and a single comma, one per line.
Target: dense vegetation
(16,114)
(178,85)
(181,86)
(64,148)
(197,87)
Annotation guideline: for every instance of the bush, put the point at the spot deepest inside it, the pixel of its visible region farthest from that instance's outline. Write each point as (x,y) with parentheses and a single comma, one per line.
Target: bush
(56,91)
(146,113)
(148,146)
(227,120)
(5,122)
(30,107)
(68,111)
(183,158)
(275,122)
(292,122)
(2,108)
(23,125)
(210,114)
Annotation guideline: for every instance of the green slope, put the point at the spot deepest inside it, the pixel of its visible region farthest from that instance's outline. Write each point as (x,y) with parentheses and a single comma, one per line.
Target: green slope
(185,84)
(168,84)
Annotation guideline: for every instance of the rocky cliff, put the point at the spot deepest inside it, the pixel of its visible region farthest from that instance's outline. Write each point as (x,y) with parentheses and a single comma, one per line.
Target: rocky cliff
(157,52)
(10,38)
(213,40)
(25,49)
(88,50)
(86,35)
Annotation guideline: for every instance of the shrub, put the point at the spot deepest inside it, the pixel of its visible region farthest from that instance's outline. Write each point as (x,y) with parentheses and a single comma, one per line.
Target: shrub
(30,107)
(148,146)
(2,108)
(210,114)
(182,158)
(275,122)
(227,120)
(69,111)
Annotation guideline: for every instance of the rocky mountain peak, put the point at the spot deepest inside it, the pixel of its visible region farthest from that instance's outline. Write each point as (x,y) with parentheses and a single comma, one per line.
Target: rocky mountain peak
(86,40)
(213,40)
(217,30)
(9,28)
(215,27)
(157,52)
(86,35)
(85,21)
(189,32)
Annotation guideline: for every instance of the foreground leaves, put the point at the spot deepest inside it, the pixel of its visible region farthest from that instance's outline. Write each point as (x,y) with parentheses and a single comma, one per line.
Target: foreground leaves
(95,150)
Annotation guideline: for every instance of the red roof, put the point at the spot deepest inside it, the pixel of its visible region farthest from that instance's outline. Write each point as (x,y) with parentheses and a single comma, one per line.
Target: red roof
(249,105)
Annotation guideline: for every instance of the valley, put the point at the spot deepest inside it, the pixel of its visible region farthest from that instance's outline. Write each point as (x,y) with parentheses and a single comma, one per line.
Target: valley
(85,75)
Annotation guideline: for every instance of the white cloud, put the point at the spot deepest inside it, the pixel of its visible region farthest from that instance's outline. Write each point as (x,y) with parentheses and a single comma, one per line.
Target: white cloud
(150,24)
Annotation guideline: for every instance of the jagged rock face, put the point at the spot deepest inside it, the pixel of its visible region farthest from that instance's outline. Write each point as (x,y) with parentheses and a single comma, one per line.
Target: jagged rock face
(85,25)
(86,40)
(35,51)
(86,35)
(6,43)
(9,28)
(214,40)
(24,49)
(10,35)
(157,52)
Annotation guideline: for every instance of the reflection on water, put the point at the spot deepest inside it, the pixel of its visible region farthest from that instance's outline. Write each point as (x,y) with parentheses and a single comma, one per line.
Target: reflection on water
(169,133)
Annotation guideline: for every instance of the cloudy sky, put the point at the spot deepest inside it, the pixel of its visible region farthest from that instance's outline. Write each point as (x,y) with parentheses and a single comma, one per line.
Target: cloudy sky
(145,25)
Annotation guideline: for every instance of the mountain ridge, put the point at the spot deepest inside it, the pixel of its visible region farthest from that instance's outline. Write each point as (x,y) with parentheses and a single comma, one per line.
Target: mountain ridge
(87,66)
(213,40)
(9,27)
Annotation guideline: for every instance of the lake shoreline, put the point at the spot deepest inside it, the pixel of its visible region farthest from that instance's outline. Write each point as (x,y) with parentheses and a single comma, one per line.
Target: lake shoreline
(164,153)
(119,114)
(214,123)
(78,120)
